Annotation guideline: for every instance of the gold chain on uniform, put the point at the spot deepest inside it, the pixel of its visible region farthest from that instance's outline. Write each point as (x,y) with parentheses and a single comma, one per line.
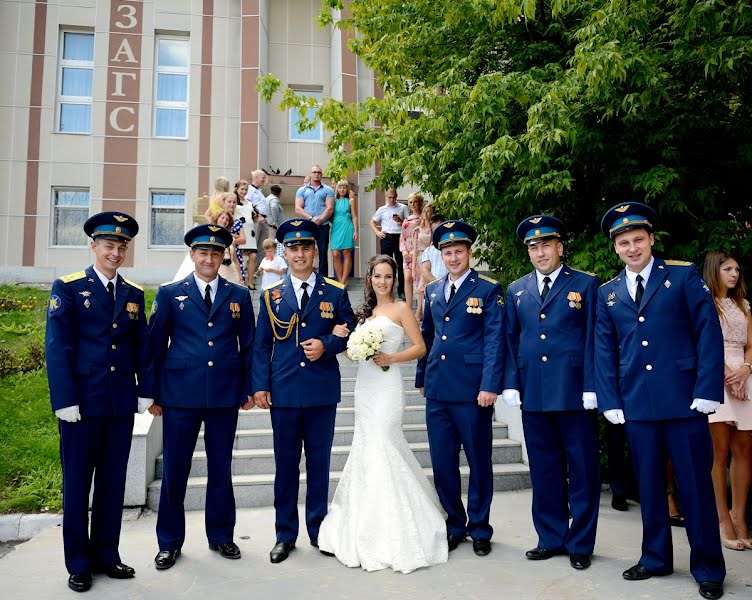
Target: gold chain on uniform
(276,322)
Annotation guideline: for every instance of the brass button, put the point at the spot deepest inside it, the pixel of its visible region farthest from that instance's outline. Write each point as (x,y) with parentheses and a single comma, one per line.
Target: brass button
(211,363)
(210,324)
(648,367)
(543,316)
(302,364)
(443,337)
(112,368)
(446,318)
(114,346)
(544,358)
(302,325)
(641,319)
(443,357)
(211,343)
(644,342)
(543,336)
(114,325)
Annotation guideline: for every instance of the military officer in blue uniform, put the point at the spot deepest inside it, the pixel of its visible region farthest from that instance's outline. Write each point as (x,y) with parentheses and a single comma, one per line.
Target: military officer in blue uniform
(550,327)
(200,351)
(296,375)
(95,344)
(659,368)
(463,328)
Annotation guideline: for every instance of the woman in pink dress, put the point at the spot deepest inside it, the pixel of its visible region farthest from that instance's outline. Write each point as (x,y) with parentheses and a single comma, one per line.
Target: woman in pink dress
(406,243)
(422,241)
(731,424)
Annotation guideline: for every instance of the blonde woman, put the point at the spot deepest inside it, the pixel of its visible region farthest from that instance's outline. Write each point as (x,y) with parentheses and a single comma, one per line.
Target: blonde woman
(221,187)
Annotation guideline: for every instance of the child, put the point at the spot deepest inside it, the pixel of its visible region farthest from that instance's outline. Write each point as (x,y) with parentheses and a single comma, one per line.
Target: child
(272,267)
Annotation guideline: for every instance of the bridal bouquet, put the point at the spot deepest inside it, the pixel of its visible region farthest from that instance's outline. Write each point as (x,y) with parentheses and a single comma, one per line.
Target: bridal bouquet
(364,342)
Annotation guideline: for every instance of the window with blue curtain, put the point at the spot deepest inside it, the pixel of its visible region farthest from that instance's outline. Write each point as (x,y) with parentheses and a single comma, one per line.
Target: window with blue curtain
(69,213)
(167,218)
(75,75)
(308,135)
(171,73)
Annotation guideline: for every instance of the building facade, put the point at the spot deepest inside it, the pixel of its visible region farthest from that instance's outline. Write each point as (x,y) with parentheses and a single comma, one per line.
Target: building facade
(139,105)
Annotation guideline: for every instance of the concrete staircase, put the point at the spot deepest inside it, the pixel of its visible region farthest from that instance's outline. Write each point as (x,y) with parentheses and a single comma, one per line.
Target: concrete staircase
(253,455)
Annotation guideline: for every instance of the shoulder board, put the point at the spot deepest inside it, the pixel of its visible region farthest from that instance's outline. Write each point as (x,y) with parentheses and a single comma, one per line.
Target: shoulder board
(275,284)
(678,263)
(486,278)
(434,282)
(609,281)
(133,284)
(334,282)
(580,271)
(73,277)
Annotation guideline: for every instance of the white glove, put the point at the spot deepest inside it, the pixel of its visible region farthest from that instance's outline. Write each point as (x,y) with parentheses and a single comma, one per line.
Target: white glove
(614,415)
(144,404)
(589,400)
(511,397)
(704,406)
(69,413)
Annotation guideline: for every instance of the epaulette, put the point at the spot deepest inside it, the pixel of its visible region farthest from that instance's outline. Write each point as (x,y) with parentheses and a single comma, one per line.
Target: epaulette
(335,283)
(133,284)
(679,263)
(486,278)
(275,284)
(433,282)
(73,276)
(609,281)
(581,271)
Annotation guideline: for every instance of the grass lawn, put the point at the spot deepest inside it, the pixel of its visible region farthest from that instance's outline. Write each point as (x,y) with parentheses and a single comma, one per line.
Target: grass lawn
(30,475)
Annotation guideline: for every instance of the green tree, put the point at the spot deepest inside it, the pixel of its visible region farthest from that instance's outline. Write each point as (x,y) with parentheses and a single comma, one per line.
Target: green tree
(565,107)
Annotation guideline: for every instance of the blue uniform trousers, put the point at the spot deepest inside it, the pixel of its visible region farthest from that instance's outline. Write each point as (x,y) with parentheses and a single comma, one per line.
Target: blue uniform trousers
(451,424)
(561,446)
(687,442)
(181,427)
(98,447)
(294,428)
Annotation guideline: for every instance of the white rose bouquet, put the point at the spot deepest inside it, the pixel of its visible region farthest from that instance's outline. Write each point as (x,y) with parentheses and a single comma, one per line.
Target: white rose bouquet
(365,342)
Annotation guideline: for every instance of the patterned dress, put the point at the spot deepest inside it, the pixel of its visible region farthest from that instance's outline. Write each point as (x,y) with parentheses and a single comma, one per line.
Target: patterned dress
(422,241)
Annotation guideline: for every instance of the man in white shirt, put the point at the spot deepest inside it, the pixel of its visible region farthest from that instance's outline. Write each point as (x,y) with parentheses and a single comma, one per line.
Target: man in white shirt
(260,204)
(390,216)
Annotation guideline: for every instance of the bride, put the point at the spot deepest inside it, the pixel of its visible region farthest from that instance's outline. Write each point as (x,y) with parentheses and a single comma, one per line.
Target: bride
(385,513)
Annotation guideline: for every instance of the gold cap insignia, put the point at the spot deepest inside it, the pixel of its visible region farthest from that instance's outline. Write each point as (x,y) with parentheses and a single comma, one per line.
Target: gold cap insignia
(296,223)
(120,218)
(537,232)
(536,220)
(297,235)
(213,228)
(212,239)
(451,236)
(625,220)
(622,208)
(448,225)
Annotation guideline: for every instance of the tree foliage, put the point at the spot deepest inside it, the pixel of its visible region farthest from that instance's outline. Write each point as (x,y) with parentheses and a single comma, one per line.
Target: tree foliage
(566,107)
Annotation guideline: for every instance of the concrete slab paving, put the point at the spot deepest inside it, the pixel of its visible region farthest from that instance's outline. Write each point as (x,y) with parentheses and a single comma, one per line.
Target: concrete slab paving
(36,570)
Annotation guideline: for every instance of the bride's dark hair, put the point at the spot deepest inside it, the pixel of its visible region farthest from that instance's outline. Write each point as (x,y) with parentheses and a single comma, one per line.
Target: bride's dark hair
(365,310)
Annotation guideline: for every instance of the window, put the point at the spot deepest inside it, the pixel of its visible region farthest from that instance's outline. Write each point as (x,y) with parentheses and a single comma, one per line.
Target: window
(172,63)
(69,213)
(167,218)
(74,80)
(309,135)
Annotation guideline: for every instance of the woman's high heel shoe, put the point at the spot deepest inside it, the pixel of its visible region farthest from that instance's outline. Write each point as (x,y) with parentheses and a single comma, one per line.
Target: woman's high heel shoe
(732,544)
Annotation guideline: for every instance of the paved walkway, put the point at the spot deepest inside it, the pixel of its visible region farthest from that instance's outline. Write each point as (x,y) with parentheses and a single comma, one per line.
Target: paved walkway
(35,569)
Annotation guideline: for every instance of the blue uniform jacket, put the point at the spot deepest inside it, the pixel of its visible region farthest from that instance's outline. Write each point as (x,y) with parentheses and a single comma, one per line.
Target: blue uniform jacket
(95,355)
(653,361)
(465,350)
(280,366)
(199,359)
(551,343)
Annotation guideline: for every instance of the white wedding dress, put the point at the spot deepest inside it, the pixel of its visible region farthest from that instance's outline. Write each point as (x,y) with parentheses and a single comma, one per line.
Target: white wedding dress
(385,513)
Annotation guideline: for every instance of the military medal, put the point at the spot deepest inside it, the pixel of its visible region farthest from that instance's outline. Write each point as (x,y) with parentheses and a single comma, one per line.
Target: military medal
(474,306)
(235,308)
(327,310)
(575,300)
(132,309)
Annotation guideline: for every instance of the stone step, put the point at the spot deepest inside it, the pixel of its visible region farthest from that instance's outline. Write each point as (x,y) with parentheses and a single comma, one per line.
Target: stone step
(248,439)
(258,490)
(259,461)
(260,419)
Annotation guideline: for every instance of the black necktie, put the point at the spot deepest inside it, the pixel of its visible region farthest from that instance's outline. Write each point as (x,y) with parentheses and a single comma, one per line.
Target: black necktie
(639,291)
(305,297)
(207,298)
(452,292)
(546,288)
(111,291)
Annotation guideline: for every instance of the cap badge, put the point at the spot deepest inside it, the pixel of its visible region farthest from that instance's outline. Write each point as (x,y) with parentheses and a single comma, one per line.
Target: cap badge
(296,223)
(622,208)
(120,218)
(297,235)
(213,228)
(536,220)
(118,229)
(449,225)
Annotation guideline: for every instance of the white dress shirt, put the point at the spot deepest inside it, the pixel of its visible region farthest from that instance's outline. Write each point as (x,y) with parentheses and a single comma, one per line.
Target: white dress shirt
(551,276)
(632,278)
(256,197)
(201,285)
(384,216)
(297,285)
(105,281)
(457,283)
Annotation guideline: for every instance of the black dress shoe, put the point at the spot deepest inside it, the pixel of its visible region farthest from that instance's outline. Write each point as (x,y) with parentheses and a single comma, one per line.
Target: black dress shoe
(539,553)
(619,503)
(166,559)
(315,542)
(481,546)
(325,553)
(118,571)
(229,550)
(579,561)
(637,573)
(454,540)
(80,582)
(281,551)
(711,589)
